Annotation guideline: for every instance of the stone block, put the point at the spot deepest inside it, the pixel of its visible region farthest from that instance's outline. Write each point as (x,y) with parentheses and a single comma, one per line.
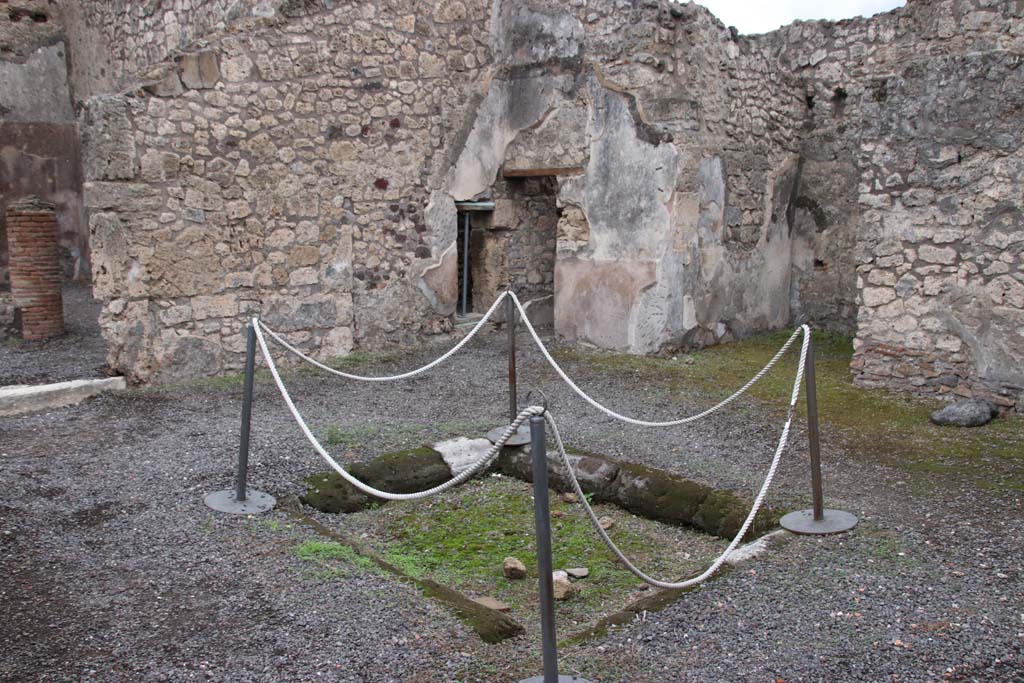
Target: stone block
(108,146)
(199,70)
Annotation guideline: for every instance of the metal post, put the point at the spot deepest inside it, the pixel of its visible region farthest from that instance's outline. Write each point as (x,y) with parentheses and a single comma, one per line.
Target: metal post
(813,443)
(817,520)
(522,435)
(542,523)
(465,263)
(510,320)
(243,441)
(243,500)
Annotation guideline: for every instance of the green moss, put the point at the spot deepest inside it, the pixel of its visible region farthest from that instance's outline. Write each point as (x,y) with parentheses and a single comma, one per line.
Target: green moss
(872,424)
(332,557)
(461,539)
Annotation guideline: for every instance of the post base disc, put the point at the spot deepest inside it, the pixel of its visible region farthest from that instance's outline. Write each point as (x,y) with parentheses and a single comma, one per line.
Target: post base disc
(561,679)
(803,522)
(225,501)
(520,438)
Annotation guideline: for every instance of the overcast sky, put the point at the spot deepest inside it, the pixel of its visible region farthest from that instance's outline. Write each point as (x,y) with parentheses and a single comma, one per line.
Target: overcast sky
(761,16)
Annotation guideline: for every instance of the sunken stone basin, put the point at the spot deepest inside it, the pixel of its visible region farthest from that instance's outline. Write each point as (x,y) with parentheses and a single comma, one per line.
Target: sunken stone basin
(645,491)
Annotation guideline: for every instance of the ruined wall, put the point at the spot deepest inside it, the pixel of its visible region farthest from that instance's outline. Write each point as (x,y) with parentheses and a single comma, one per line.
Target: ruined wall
(923,103)
(294,174)
(942,283)
(675,167)
(302,159)
(39,151)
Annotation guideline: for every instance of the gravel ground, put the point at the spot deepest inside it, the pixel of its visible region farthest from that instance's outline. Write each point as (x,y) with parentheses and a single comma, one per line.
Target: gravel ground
(115,570)
(79,353)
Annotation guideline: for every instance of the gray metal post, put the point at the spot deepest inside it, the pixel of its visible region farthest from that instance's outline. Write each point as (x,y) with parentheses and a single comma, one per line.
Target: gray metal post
(243,500)
(522,435)
(510,320)
(465,263)
(542,522)
(817,520)
(813,442)
(243,441)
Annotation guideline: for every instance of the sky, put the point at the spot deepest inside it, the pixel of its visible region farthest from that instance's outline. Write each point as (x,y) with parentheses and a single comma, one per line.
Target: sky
(761,16)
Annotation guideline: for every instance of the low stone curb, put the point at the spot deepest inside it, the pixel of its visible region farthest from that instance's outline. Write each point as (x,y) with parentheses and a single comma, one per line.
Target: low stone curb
(18,399)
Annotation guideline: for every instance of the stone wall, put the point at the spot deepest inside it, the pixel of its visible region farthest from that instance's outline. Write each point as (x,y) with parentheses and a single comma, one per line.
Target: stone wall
(924,104)
(675,167)
(291,171)
(302,159)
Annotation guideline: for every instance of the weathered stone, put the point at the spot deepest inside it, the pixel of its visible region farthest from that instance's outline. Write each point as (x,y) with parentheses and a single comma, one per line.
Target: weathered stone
(108,147)
(328,492)
(199,70)
(972,413)
(513,568)
(577,572)
(606,522)
(563,588)
(461,453)
(408,471)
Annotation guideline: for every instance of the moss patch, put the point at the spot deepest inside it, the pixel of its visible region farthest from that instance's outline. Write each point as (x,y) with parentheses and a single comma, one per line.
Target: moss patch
(407,471)
(461,538)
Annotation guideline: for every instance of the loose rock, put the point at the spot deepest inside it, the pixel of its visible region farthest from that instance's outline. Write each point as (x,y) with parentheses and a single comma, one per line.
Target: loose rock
(562,586)
(578,572)
(514,568)
(569,497)
(969,413)
(606,523)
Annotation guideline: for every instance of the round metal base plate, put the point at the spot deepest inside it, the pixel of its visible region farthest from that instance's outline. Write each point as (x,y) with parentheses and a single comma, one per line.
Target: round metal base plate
(520,438)
(225,501)
(561,679)
(834,522)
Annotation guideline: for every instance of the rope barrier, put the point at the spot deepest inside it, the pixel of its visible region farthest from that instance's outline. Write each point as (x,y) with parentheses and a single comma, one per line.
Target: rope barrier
(476,467)
(758,501)
(485,460)
(390,378)
(645,423)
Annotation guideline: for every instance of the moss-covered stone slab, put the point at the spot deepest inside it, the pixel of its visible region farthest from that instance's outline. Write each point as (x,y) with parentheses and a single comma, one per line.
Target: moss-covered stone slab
(328,492)
(408,471)
(595,474)
(656,494)
(644,491)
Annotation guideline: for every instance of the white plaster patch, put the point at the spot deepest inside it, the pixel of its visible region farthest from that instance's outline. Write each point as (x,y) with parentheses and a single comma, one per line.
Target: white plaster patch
(460,453)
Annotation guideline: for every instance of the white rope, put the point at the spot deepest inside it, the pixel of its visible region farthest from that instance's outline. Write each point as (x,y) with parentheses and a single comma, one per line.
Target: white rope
(783,440)
(391,378)
(645,423)
(476,467)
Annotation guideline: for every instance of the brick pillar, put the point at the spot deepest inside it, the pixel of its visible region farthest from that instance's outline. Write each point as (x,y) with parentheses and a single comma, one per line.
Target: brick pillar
(34,263)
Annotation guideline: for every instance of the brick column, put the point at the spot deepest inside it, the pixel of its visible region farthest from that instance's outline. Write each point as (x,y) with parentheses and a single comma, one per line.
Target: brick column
(35,267)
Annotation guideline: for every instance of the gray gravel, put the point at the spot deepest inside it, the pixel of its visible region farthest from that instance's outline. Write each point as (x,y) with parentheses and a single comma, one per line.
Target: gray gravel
(79,353)
(115,571)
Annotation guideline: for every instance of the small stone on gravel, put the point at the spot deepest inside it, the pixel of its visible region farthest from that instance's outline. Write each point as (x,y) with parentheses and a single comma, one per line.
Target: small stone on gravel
(562,586)
(569,497)
(969,413)
(606,523)
(514,568)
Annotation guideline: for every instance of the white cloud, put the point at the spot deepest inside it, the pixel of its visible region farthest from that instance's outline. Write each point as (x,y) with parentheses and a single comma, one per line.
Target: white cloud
(762,16)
